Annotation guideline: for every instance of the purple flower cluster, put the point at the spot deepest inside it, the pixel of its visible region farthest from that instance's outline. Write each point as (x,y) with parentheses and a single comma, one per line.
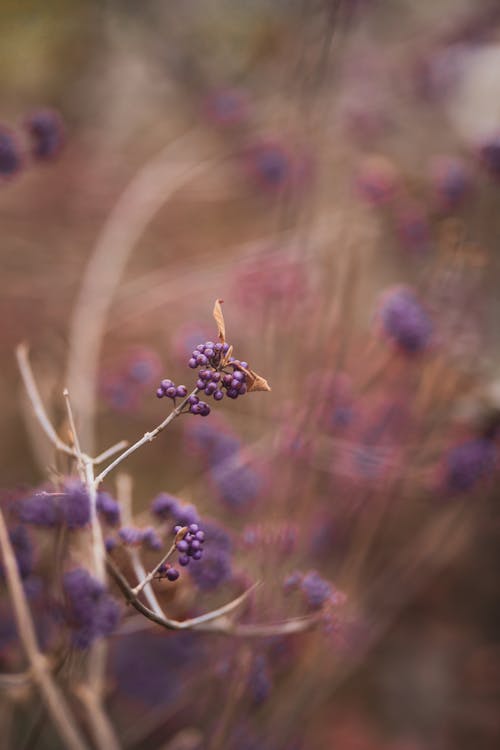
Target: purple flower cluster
(190,545)
(90,611)
(404,321)
(316,590)
(50,509)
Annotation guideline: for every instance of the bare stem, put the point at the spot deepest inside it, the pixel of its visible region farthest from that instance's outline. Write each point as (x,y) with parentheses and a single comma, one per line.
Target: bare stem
(110,451)
(148,437)
(137,590)
(124,495)
(54,699)
(36,401)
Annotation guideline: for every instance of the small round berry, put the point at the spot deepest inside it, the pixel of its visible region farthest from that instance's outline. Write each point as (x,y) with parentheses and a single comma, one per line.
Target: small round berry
(166,384)
(235,385)
(159,393)
(209,353)
(205,374)
(216,376)
(218,395)
(201,347)
(181,391)
(171,392)
(209,344)
(193,400)
(218,347)
(183,560)
(227,380)
(243,389)
(205,410)
(200,536)
(244,364)
(210,389)
(238,375)
(195,409)
(197,554)
(201,385)
(195,544)
(177,528)
(202,360)
(225,348)
(193,528)
(182,545)
(193,364)
(232,393)
(172,574)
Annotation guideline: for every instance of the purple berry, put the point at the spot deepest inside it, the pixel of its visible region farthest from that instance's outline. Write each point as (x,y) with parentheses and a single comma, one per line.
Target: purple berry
(209,353)
(200,384)
(182,546)
(232,393)
(218,395)
(171,392)
(193,400)
(172,574)
(238,375)
(235,385)
(202,360)
(159,393)
(181,391)
(197,554)
(166,384)
(193,364)
(183,560)
(195,409)
(210,389)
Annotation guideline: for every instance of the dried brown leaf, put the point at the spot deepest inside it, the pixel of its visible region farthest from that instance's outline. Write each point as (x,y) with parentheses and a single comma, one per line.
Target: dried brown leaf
(219,319)
(255,382)
(228,356)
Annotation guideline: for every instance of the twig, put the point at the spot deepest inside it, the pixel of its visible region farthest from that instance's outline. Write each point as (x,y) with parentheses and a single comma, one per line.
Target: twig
(102,729)
(148,437)
(110,452)
(149,577)
(36,401)
(54,699)
(124,495)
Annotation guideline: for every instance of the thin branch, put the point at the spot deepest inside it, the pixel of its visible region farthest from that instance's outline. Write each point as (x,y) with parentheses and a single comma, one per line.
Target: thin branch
(53,697)
(148,437)
(165,621)
(102,729)
(124,496)
(36,401)
(149,577)
(110,452)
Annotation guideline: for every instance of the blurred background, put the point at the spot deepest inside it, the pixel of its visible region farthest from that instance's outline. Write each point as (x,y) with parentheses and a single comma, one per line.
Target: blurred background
(331,170)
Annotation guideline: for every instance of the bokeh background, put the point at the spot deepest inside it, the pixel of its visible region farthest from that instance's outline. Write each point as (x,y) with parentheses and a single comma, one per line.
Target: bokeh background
(304,161)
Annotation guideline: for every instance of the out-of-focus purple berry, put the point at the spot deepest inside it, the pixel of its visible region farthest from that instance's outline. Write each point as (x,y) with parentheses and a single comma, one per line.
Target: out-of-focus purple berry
(467,464)
(91,611)
(182,546)
(404,320)
(40,509)
(197,554)
(130,535)
(75,505)
(183,560)
(159,393)
(46,131)
(490,156)
(151,538)
(23,550)
(10,154)
(108,507)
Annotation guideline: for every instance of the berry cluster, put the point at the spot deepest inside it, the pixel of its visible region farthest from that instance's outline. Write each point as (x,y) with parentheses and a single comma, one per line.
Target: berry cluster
(168,571)
(216,375)
(170,390)
(191,544)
